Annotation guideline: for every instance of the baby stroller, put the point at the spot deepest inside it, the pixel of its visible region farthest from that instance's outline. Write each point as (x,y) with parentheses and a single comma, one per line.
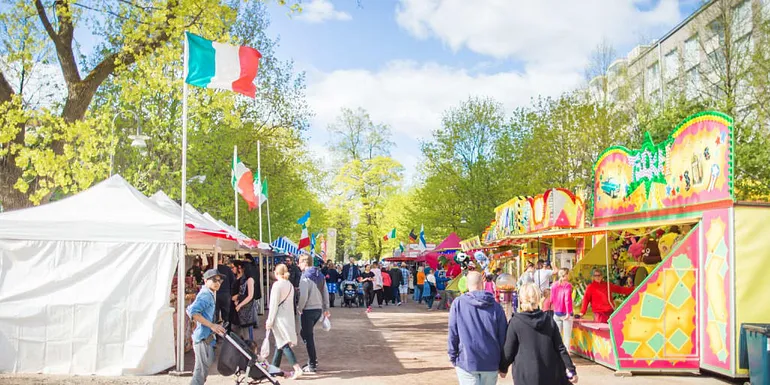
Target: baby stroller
(349,293)
(238,358)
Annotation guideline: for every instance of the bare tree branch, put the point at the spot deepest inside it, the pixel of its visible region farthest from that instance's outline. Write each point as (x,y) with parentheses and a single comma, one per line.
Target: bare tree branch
(62,40)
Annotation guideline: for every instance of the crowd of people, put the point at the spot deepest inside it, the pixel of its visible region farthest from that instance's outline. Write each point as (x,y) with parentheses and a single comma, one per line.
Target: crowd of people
(227,301)
(482,342)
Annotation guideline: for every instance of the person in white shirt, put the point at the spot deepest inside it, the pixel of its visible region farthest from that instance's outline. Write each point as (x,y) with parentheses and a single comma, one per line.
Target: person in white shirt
(378,283)
(528,276)
(543,276)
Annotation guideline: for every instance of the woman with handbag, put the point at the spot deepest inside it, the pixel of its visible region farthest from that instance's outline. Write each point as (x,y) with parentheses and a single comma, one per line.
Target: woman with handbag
(245,305)
(280,320)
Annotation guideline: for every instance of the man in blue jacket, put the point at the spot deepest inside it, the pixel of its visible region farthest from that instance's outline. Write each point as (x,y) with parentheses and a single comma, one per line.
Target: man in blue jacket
(441,281)
(477,328)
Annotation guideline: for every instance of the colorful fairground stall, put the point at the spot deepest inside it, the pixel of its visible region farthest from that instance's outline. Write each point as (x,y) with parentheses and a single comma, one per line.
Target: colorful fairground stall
(522,225)
(667,226)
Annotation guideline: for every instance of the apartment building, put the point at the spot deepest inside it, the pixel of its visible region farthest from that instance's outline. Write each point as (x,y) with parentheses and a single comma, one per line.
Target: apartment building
(688,59)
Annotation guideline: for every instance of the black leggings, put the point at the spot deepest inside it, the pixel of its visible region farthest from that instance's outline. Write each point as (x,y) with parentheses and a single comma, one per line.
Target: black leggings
(369,294)
(380,296)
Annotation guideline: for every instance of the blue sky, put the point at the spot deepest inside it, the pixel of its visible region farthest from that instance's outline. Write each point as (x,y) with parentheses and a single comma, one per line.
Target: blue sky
(407,61)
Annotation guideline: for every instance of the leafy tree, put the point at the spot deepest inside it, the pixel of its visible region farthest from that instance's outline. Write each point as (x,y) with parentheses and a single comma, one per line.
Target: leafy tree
(367,177)
(460,170)
(49,141)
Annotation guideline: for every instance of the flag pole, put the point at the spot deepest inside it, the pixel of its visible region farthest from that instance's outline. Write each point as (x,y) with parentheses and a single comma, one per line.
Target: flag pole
(180,297)
(259,206)
(269,230)
(235,189)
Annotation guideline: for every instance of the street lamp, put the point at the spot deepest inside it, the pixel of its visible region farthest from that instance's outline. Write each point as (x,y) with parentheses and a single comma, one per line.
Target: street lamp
(463,221)
(138,141)
(197,178)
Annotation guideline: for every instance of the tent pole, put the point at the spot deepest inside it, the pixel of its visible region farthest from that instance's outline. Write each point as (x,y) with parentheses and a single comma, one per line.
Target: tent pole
(607,259)
(180,299)
(235,189)
(259,204)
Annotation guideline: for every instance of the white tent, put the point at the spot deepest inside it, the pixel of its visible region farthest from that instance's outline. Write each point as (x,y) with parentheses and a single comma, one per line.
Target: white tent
(85,284)
(201,234)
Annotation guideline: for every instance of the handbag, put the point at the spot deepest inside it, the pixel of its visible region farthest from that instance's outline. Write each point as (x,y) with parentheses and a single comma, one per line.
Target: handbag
(264,351)
(248,314)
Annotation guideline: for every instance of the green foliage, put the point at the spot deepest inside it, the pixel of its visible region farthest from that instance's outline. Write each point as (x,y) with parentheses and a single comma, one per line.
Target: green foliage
(366,181)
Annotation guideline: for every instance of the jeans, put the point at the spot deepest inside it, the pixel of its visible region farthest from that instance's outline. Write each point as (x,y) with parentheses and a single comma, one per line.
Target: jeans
(308,319)
(204,357)
(418,293)
(475,378)
(396,295)
(378,293)
(444,304)
(429,301)
(565,328)
(284,351)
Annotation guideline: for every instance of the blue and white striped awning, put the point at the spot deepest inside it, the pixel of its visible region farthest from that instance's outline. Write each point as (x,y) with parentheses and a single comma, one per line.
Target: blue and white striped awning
(285,245)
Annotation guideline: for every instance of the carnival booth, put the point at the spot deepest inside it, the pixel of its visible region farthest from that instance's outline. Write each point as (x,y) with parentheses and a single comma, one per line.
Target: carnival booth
(523,224)
(686,315)
(85,283)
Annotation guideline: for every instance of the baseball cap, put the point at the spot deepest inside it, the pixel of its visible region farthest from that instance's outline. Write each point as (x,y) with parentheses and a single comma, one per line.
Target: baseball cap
(211,273)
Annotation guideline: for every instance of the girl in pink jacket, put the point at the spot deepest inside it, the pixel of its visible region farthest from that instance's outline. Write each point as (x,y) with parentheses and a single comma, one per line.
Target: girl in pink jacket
(561,302)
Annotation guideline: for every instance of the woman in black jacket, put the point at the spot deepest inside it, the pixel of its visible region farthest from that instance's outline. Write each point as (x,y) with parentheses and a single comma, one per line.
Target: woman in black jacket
(533,345)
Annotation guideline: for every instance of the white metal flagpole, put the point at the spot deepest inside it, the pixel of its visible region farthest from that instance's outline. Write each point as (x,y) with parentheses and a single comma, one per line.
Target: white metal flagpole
(259,206)
(235,187)
(180,300)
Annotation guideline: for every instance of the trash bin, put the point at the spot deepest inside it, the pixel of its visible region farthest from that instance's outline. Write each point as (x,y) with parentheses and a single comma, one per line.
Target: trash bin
(756,339)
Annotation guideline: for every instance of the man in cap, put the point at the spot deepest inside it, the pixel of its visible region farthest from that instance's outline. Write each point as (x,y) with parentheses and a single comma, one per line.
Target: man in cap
(203,337)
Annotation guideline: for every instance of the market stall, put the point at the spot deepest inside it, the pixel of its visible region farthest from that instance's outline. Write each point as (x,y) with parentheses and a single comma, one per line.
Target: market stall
(667,212)
(85,284)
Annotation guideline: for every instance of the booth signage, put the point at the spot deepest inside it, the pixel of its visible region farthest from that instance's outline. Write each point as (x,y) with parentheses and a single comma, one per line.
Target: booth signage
(692,166)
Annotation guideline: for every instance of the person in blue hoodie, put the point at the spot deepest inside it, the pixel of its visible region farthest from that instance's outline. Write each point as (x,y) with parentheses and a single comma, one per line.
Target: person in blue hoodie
(441,280)
(477,327)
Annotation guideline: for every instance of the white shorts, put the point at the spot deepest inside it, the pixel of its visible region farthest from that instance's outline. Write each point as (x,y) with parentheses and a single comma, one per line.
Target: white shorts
(403,289)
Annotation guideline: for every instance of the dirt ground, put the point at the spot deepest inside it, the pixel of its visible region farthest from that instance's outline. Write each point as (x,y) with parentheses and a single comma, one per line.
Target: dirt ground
(390,346)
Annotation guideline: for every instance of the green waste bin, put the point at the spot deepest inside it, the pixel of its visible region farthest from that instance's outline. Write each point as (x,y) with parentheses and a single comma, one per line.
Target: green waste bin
(756,339)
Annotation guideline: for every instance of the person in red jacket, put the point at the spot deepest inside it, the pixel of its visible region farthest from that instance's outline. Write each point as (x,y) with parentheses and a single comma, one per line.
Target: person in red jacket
(596,295)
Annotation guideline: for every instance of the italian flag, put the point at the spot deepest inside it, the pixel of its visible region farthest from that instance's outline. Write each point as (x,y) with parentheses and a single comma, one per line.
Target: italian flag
(390,235)
(243,180)
(210,64)
(261,188)
(304,239)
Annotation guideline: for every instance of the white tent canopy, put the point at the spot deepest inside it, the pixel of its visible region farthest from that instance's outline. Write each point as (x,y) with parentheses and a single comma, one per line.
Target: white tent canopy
(204,234)
(85,284)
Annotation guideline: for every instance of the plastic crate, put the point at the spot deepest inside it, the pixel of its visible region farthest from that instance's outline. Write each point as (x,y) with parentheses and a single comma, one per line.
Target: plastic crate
(758,349)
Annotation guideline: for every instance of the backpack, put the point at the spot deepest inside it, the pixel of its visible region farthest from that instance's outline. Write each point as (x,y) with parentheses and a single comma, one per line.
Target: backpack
(386,279)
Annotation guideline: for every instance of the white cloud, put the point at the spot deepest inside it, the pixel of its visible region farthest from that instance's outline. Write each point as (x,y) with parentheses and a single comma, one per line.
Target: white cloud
(557,33)
(412,97)
(318,11)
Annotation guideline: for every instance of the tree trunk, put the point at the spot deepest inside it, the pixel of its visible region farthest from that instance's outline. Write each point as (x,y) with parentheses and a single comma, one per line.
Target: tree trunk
(11,198)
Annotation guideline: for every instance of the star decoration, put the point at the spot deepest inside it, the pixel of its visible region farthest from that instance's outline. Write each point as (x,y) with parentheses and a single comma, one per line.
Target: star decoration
(719,140)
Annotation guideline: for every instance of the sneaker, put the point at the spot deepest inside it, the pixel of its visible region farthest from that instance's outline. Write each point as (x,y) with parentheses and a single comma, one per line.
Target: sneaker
(295,375)
(380,306)
(399,304)
(369,309)
(309,370)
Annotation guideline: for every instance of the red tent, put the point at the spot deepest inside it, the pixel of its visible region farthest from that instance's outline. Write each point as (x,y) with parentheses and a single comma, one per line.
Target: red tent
(452,242)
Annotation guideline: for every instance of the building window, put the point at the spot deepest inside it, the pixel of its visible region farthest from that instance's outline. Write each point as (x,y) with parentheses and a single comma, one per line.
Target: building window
(741,20)
(652,80)
(717,61)
(692,83)
(692,52)
(671,64)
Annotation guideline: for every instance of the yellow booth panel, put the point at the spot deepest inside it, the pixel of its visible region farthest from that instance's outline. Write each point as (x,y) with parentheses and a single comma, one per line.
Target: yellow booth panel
(752,254)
